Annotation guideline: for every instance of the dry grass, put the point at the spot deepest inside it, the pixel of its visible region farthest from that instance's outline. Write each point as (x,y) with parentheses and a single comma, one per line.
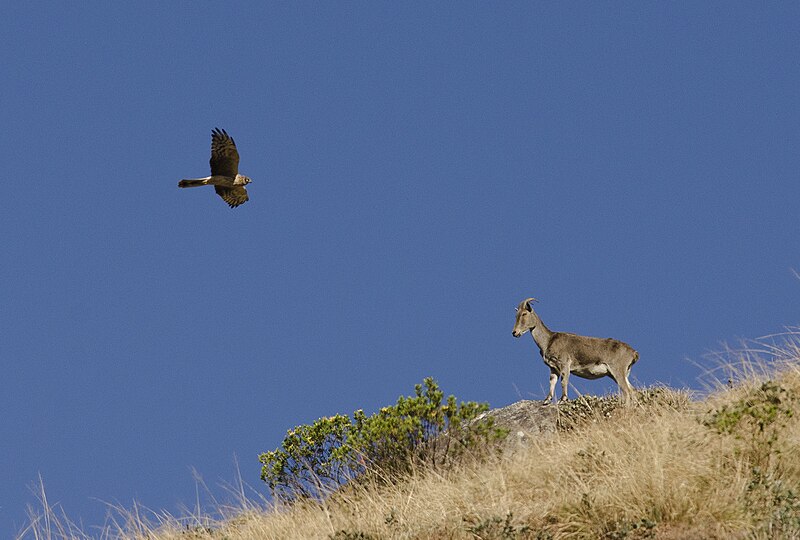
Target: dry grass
(662,469)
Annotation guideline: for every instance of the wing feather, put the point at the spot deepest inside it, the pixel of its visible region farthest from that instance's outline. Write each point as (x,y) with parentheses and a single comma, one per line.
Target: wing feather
(234,196)
(224,156)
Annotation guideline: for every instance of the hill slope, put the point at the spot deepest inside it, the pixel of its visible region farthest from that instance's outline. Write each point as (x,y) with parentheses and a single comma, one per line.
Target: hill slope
(725,466)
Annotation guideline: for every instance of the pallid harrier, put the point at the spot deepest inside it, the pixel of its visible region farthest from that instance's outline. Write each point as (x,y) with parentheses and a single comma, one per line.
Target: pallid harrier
(225,177)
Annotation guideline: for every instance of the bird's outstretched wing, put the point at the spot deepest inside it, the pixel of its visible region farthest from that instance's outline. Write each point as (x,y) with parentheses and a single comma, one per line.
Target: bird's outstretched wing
(224,157)
(234,196)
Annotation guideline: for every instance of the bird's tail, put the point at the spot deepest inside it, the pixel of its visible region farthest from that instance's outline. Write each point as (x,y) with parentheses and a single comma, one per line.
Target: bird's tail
(193,182)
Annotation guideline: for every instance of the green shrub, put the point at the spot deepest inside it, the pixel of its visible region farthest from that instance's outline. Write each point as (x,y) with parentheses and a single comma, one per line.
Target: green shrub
(312,459)
(420,430)
(758,420)
(496,528)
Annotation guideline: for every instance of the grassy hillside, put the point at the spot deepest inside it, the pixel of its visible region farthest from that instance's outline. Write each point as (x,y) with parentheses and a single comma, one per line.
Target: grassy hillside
(724,466)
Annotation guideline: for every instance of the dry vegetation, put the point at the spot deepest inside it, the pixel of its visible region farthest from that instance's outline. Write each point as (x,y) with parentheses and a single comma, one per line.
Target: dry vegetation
(724,466)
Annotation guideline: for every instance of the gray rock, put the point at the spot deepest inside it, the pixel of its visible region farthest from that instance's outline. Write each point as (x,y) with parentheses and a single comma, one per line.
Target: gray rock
(524,420)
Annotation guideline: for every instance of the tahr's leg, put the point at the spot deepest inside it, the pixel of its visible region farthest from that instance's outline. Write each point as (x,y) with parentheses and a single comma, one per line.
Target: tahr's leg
(565,385)
(551,395)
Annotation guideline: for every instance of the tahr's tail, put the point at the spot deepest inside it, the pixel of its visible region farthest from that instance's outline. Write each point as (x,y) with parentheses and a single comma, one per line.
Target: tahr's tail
(193,182)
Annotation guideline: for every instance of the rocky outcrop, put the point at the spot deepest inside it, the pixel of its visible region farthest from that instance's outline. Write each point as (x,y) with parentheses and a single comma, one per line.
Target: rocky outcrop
(527,419)
(524,419)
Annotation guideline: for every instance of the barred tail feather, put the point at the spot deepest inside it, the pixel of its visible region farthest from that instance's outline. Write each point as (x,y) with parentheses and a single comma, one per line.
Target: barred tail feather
(193,182)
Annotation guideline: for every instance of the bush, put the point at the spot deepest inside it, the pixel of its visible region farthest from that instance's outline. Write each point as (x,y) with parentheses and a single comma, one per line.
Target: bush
(423,429)
(312,459)
(757,418)
(760,420)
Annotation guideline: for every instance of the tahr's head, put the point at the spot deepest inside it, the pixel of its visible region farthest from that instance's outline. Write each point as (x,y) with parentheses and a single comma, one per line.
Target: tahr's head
(526,320)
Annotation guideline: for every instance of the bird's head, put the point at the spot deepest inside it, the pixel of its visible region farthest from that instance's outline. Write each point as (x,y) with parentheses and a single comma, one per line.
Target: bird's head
(242,180)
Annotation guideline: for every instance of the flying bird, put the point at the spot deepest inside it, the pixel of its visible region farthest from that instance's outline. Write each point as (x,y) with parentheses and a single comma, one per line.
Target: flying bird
(225,177)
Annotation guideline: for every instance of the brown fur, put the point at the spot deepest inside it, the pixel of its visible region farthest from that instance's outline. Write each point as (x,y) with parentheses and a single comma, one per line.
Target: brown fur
(587,357)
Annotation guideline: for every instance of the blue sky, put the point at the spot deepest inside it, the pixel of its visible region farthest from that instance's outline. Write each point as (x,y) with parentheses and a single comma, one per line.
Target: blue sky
(417,171)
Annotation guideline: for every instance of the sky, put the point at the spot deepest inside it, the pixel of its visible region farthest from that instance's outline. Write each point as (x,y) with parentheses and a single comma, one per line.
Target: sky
(418,169)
